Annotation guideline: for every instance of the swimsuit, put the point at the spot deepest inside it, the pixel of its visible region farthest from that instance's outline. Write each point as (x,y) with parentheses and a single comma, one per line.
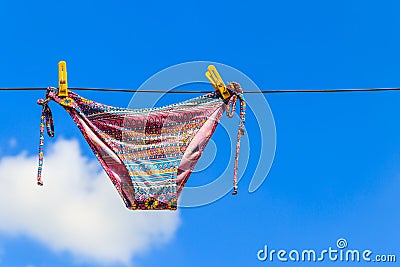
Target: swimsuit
(148,153)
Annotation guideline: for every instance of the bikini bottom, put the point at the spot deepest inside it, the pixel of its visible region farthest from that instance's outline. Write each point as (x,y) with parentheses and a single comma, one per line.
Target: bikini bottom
(148,154)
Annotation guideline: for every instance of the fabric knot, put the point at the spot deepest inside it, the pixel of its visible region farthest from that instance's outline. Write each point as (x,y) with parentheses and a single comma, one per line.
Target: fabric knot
(43,102)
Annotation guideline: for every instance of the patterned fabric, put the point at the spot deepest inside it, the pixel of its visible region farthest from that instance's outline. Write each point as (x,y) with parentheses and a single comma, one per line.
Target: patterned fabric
(148,153)
(45,118)
(230,110)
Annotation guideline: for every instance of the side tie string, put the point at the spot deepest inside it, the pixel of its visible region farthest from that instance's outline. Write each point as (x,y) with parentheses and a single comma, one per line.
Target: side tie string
(45,119)
(237,91)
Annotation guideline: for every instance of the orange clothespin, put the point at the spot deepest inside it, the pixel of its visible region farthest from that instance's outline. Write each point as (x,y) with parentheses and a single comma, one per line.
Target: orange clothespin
(62,79)
(216,80)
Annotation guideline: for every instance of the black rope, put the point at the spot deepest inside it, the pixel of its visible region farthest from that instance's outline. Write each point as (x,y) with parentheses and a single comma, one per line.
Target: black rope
(22,89)
(204,91)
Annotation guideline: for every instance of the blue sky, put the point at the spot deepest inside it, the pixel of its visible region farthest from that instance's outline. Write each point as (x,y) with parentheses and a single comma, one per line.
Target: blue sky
(336,172)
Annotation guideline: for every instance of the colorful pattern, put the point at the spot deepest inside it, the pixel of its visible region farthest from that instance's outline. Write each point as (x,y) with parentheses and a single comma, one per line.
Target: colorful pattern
(148,153)
(45,118)
(230,109)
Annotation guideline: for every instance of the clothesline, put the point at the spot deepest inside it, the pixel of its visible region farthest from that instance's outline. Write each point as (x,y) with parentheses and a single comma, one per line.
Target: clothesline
(204,91)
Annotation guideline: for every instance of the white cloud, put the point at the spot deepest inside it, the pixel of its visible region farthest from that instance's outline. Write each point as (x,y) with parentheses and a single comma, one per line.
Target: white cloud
(77,210)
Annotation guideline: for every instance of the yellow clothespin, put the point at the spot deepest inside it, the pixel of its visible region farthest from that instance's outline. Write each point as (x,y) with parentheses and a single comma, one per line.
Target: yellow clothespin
(62,79)
(216,80)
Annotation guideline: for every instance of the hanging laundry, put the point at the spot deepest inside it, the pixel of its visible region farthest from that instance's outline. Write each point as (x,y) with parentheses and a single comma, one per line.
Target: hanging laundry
(148,154)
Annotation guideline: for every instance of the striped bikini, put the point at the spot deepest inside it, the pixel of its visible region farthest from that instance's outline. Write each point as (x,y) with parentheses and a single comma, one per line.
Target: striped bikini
(148,154)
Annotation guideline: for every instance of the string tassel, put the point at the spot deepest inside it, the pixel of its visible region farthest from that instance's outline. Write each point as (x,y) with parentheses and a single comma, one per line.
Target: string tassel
(45,119)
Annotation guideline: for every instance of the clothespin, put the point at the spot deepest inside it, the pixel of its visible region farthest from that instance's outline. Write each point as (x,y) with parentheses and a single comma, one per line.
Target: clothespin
(62,79)
(216,80)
